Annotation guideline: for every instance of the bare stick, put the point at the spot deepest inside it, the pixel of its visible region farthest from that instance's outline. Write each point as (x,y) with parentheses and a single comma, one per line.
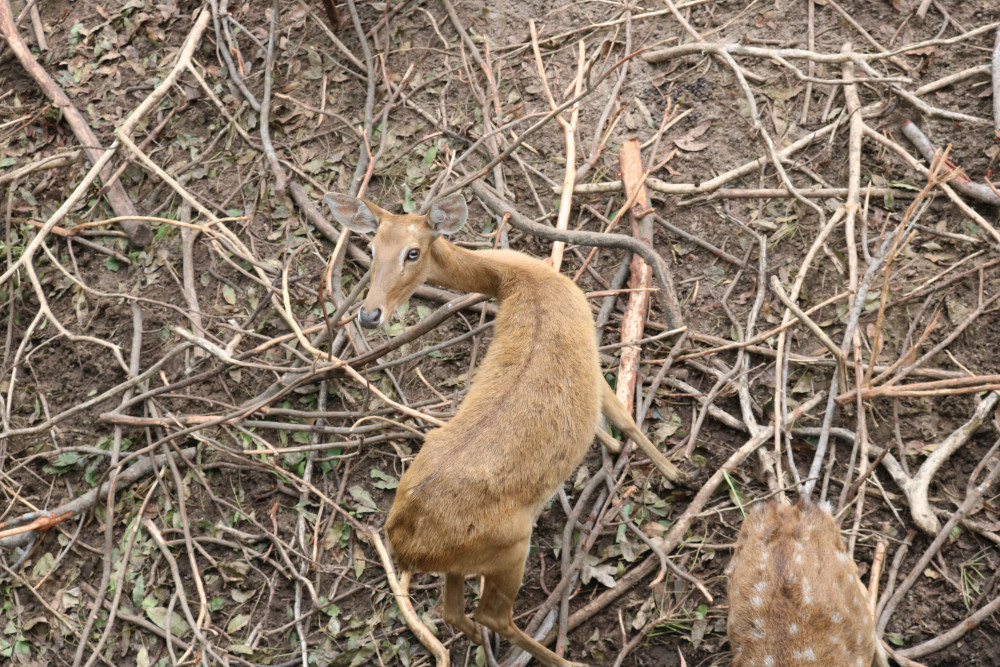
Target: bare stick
(222,37)
(945,187)
(630,162)
(782,193)
(812,326)
(878,561)
(188,238)
(995,75)
(569,135)
(864,33)
(683,523)
(139,232)
(780,55)
(400,590)
(811,71)
(759,52)
(658,185)
(954,634)
(943,535)
(280,180)
(139,470)
(917,489)
(61,212)
(951,79)
(37,27)
(959,180)
(668,298)
(852,207)
(191,42)
(57,161)
(689,29)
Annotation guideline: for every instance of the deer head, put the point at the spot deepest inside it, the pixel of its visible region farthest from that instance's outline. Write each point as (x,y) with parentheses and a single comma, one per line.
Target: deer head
(400,250)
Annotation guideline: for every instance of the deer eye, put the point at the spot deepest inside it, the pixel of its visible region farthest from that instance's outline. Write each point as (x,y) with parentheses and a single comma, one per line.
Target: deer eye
(413,254)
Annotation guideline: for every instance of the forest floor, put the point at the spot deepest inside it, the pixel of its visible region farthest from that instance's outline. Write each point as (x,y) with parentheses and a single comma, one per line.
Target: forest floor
(186,358)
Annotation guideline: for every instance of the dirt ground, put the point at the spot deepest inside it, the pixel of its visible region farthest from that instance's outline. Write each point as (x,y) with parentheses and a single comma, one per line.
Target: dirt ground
(247,540)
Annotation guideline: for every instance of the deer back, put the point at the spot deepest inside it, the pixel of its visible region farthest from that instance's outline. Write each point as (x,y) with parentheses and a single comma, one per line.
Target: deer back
(794,593)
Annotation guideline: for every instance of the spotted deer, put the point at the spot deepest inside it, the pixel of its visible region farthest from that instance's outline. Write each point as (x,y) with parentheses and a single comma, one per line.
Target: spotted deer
(467,502)
(795,599)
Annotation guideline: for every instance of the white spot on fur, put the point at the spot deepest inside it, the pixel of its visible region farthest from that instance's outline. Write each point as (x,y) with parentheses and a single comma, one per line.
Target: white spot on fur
(757,601)
(768,661)
(760,586)
(804,655)
(836,617)
(793,629)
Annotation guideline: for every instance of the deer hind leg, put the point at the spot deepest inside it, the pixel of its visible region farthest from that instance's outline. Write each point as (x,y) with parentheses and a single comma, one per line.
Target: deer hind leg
(613,409)
(610,444)
(496,605)
(454,608)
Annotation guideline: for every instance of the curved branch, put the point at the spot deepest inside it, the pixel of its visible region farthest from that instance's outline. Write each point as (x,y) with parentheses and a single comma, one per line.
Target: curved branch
(668,297)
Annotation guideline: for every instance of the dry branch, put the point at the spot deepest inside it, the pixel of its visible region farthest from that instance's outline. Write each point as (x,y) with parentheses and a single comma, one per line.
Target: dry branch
(668,299)
(569,136)
(945,187)
(85,502)
(760,52)
(664,187)
(683,523)
(400,591)
(972,499)
(265,356)
(66,159)
(917,488)
(995,77)
(959,179)
(139,232)
(633,322)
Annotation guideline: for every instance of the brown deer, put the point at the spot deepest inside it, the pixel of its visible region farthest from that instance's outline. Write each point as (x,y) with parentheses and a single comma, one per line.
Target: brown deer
(468,501)
(795,599)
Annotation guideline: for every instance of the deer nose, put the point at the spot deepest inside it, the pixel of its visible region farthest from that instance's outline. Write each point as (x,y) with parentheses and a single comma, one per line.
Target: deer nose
(370,319)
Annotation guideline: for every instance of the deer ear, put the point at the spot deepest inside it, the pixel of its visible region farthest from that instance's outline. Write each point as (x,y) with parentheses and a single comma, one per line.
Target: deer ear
(448,214)
(353,213)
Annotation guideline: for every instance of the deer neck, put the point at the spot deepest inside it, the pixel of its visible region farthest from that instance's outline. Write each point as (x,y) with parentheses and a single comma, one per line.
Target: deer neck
(467,271)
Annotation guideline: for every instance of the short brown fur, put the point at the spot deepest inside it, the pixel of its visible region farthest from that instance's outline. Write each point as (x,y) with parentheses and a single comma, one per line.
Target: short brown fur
(795,599)
(468,501)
